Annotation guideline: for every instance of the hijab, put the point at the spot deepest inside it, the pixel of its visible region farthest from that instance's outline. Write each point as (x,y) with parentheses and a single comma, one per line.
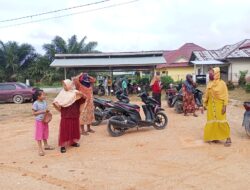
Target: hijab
(217,87)
(84,80)
(189,84)
(67,96)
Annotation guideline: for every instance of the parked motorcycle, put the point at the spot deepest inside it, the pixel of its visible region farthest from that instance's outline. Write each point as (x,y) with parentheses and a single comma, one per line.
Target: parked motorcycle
(99,90)
(103,107)
(171,93)
(177,102)
(246,120)
(130,116)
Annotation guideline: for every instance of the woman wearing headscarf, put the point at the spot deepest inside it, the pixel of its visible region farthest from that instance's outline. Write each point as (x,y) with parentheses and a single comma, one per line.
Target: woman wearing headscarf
(84,84)
(68,102)
(216,100)
(156,87)
(188,88)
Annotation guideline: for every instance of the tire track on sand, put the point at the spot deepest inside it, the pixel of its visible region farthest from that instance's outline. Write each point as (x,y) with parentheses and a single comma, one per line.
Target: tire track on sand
(43,177)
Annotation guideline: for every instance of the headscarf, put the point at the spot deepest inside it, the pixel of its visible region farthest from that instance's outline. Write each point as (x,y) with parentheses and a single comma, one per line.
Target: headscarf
(217,87)
(67,96)
(84,80)
(188,84)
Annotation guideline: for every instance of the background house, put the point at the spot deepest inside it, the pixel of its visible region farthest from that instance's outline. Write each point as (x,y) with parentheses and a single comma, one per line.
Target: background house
(177,62)
(231,59)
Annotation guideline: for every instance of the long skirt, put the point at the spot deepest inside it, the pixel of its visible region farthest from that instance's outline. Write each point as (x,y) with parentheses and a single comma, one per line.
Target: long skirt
(157,97)
(69,131)
(217,127)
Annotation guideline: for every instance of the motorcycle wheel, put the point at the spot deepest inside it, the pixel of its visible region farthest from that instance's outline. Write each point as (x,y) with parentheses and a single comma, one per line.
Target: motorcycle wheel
(247,128)
(178,106)
(113,131)
(161,121)
(98,119)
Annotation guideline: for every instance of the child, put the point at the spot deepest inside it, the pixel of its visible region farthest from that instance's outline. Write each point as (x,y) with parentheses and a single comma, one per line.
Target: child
(39,109)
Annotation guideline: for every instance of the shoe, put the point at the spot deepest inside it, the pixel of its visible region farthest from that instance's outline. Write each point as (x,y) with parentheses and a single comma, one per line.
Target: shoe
(75,145)
(63,149)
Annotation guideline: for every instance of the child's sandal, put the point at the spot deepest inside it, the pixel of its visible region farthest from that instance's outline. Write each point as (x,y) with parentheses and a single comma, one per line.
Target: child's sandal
(41,154)
(49,148)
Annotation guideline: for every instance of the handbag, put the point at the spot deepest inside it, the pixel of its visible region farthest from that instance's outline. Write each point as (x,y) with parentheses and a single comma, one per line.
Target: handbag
(47,117)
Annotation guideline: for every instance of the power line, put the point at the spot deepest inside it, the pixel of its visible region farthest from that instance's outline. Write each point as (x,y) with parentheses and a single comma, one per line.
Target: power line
(72,14)
(54,11)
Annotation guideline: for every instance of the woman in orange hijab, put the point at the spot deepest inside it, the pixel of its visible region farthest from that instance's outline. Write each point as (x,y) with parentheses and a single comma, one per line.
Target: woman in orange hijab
(216,100)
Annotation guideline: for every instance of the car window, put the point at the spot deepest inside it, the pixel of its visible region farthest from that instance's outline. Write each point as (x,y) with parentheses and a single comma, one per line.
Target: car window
(1,87)
(22,85)
(8,87)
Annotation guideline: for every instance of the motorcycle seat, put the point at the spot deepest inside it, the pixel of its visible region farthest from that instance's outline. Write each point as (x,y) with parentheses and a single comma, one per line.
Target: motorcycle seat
(105,100)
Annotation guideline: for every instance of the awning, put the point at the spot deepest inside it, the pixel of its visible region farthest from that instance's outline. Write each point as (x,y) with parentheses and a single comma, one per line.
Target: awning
(110,61)
(208,62)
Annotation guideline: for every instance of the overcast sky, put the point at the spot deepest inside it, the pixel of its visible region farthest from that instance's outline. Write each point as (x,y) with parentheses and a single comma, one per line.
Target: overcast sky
(142,25)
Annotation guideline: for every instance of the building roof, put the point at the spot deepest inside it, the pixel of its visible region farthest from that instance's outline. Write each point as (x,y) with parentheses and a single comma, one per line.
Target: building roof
(108,61)
(209,62)
(237,50)
(179,57)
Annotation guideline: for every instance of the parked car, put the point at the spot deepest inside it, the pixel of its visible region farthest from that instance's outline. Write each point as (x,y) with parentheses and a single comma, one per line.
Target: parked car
(16,92)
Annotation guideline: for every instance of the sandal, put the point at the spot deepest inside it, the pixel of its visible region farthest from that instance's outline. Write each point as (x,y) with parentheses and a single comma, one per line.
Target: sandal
(63,149)
(228,143)
(195,115)
(49,148)
(91,131)
(85,133)
(41,153)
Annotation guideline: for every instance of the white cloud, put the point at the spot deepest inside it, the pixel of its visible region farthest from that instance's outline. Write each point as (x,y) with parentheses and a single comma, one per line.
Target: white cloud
(143,25)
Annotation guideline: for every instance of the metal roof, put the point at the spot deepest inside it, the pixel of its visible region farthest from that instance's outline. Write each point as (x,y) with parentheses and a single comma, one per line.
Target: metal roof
(208,62)
(107,63)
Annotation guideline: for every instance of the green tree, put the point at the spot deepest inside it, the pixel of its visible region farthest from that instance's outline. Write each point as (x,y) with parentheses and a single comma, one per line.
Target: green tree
(14,58)
(59,45)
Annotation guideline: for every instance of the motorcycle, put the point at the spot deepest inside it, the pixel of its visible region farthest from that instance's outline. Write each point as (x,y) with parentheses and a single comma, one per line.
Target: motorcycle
(99,90)
(103,107)
(171,93)
(130,116)
(246,119)
(177,102)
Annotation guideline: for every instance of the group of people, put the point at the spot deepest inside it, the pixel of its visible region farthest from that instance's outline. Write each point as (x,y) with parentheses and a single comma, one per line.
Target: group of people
(75,103)
(215,102)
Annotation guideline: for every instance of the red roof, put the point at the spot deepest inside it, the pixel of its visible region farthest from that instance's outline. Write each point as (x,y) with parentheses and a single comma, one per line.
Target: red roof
(184,52)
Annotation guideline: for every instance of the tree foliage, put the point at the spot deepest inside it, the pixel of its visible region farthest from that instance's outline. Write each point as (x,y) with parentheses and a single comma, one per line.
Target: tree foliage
(20,61)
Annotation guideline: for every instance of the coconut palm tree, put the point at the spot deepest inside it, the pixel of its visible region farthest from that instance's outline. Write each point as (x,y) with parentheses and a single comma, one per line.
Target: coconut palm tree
(59,45)
(14,56)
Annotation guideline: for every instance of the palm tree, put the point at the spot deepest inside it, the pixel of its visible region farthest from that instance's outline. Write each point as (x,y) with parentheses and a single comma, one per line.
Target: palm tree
(13,57)
(59,45)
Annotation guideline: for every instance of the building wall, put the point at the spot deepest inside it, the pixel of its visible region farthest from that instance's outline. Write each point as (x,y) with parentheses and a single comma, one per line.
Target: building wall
(177,73)
(236,66)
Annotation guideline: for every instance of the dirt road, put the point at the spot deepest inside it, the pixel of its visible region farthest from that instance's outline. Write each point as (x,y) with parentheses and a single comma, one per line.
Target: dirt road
(174,158)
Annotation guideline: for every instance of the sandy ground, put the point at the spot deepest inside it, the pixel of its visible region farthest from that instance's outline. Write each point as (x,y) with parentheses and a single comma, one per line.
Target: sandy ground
(174,158)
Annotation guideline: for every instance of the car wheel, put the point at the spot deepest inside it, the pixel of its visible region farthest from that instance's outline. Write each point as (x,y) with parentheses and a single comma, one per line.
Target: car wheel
(18,99)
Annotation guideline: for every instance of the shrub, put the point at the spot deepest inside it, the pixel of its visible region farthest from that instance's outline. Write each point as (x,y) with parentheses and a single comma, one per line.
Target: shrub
(248,88)
(242,79)
(230,85)
(166,80)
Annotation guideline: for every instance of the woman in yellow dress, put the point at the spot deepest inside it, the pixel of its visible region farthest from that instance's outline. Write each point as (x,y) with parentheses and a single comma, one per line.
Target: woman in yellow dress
(216,100)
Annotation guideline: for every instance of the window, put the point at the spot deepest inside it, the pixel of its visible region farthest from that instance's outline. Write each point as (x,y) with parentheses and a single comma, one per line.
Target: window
(22,85)
(7,87)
